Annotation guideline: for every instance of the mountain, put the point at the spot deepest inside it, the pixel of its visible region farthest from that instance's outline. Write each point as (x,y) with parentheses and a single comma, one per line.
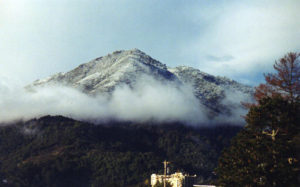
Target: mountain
(104,74)
(60,151)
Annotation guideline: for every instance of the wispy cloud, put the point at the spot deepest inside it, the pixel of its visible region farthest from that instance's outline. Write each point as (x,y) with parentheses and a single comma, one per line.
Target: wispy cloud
(253,34)
(219,58)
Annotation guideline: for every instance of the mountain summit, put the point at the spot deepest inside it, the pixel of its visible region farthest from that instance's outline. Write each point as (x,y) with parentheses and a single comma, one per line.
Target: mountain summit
(103,75)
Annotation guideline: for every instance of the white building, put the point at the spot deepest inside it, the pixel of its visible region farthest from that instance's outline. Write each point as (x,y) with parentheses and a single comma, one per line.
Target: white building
(177,179)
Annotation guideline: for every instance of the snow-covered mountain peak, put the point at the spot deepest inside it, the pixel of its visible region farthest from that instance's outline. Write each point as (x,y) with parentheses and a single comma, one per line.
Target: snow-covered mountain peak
(128,67)
(104,73)
(134,56)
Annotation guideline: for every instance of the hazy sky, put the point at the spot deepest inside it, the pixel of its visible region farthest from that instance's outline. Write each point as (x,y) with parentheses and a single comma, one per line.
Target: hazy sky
(237,39)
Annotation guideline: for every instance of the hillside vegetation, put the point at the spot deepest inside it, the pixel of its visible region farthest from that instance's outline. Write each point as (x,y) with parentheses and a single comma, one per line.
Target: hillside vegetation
(58,151)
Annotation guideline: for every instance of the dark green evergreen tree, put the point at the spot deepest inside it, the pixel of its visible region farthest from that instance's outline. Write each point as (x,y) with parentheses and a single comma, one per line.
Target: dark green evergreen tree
(265,152)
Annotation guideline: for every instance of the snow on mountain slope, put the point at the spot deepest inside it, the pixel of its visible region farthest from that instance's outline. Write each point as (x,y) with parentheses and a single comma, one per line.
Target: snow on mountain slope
(105,73)
(212,90)
(220,95)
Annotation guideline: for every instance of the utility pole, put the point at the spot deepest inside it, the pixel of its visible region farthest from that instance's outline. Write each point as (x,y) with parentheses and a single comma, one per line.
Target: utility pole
(165,171)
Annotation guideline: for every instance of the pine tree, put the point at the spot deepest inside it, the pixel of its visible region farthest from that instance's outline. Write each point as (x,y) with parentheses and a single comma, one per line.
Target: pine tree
(264,153)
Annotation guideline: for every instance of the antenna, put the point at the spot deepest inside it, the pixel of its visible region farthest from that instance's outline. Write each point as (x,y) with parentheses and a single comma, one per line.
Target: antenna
(165,171)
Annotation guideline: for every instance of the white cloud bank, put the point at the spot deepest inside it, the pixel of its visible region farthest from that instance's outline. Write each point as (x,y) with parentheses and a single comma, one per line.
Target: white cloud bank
(149,100)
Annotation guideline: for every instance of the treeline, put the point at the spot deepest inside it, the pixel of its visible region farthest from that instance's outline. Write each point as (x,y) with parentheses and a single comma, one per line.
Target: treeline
(58,151)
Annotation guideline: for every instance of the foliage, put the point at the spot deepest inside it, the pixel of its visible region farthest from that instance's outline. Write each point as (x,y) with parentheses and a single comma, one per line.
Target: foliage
(266,151)
(285,82)
(57,151)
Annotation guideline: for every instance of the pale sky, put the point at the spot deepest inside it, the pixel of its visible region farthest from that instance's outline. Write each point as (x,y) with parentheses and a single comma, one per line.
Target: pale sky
(232,38)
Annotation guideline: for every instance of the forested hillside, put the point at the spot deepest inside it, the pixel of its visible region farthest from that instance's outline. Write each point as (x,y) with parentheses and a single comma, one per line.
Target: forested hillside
(58,151)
